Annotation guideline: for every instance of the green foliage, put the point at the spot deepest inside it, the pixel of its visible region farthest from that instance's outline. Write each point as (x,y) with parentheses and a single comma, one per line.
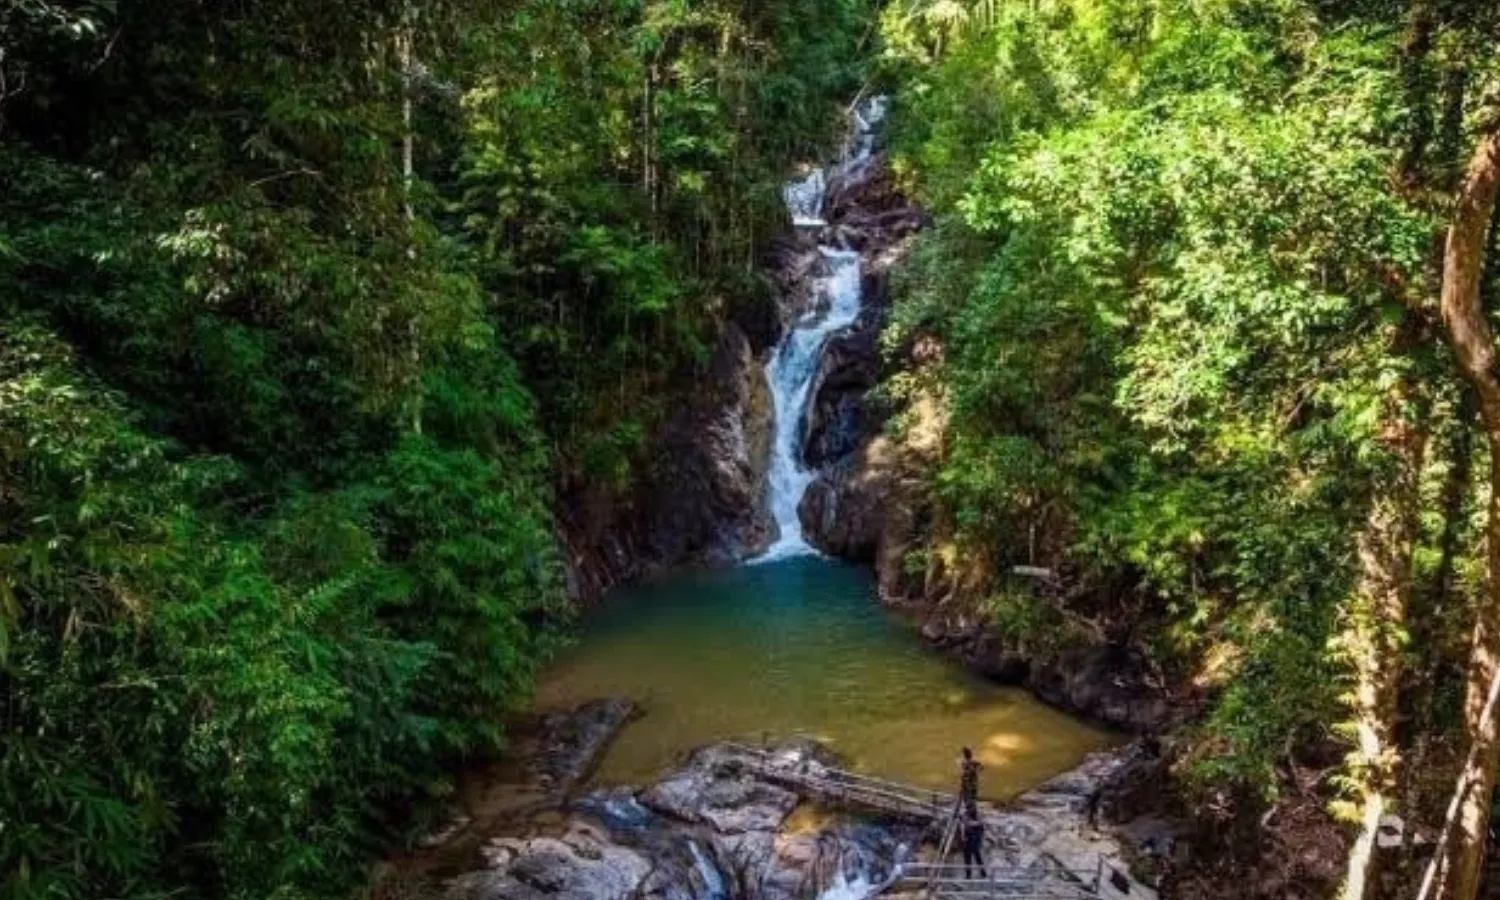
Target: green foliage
(1168,277)
(616,189)
(281,427)
(195,701)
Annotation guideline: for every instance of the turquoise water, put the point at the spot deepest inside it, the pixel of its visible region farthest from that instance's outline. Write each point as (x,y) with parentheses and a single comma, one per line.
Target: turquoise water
(802,647)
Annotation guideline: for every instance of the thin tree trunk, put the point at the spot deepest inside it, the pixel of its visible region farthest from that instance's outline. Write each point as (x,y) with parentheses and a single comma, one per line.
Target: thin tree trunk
(403,52)
(408,174)
(1376,620)
(1416,77)
(1457,866)
(1427,623)
(649,173)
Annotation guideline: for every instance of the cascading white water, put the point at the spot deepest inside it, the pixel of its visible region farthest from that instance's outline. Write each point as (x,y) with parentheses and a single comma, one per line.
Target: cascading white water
(790,373)
(804,198)
(713,882)
(794,362)
(867,118)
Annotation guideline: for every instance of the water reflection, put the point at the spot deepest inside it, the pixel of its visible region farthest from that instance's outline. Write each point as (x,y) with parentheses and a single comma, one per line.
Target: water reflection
(800,647)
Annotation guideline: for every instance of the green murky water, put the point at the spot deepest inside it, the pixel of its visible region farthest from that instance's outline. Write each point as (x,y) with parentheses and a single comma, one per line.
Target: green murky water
(801,647)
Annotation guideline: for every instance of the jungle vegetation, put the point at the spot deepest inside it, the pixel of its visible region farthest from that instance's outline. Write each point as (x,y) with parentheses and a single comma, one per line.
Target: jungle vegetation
(1215,284)
(308,310)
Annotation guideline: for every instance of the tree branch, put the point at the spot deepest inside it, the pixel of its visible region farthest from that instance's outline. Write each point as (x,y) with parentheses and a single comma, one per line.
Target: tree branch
(1461,306)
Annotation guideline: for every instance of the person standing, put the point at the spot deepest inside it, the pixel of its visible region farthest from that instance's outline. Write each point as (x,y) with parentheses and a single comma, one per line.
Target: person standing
(968,783)
(973,845)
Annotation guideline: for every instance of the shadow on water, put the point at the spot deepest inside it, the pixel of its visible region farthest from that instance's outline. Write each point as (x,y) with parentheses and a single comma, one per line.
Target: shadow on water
(801,647)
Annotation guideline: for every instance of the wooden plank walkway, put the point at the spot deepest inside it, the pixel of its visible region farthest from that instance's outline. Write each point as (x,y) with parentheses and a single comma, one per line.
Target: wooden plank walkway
(949,879)
(842,786)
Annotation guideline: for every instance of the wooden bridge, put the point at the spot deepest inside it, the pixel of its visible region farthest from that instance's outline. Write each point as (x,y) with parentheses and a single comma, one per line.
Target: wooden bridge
(842,787)
(940,879)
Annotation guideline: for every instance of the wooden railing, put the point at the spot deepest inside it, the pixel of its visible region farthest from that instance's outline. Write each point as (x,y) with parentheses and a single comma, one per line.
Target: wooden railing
(848,787)
(946,879)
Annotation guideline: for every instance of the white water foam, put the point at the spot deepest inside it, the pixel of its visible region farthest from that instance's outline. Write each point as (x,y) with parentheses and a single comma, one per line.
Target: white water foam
(844,889)
(790,372)
(794,363)
(713,882)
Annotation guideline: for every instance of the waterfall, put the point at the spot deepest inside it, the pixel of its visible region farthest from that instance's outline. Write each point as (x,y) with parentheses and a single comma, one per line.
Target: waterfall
(804,198)
(793,364)
(713,882)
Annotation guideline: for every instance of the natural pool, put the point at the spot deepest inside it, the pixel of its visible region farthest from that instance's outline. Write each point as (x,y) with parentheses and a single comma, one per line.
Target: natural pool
(801,647)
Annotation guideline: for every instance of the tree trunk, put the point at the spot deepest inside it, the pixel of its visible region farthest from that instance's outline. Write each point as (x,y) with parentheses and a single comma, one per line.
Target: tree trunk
(408,174)
(408,140)
(1428,618)
(1376,621)
(649,174)
(1456,869)
(1416,78)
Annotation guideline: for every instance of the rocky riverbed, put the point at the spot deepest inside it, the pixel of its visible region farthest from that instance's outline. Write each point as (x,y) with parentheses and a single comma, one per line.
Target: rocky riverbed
(719,828)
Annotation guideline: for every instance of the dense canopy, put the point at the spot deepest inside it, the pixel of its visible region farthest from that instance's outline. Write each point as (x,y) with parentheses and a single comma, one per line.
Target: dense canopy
(311,312)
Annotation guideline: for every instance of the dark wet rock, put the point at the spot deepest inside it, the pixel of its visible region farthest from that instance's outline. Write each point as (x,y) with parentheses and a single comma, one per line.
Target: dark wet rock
(755,311)
(856,507)
(1098,681)
(840,518)
(709,502)
(702,501)
(1104,683)
(837,418)
(864,191)
(572,742)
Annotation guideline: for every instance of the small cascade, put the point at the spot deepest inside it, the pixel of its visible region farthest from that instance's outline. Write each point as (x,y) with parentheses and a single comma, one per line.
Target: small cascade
(868,117)
(794,362)
(804,198)
(713,882)
(844,889)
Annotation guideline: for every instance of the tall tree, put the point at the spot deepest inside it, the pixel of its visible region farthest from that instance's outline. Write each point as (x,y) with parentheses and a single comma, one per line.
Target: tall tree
(1376,618)
(1456,870)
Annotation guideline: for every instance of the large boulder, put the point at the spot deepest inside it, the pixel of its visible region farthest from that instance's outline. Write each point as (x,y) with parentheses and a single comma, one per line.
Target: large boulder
(843,511)
(837,419)
(730,804)
(584,864)
(571,742)
(870,508)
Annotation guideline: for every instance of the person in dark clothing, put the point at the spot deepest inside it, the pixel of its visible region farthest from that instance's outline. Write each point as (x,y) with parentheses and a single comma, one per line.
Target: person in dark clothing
(973,845)
(1091,805)
(968,784)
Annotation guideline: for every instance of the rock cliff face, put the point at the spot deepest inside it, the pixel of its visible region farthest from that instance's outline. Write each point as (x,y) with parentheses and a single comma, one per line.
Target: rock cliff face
(702,499)
(838,419)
